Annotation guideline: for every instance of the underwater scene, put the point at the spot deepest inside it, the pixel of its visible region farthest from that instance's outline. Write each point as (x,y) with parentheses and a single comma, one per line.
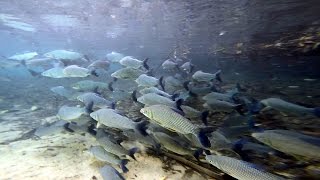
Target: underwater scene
(159,89)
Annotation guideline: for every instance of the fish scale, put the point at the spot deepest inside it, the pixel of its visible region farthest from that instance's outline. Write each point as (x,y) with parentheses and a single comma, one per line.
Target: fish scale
(239,169)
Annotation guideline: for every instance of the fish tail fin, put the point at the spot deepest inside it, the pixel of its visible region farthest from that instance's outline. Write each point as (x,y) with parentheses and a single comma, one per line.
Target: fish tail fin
(202,136)
(67,128)
(91,129)
(197,153)
(34,73)
(123,164)
(191,68)
(113,105)
(185,85)
(317,111)
(161,83)
(150,72)
(95,90)
(239,109)
(252,125)
(141,127)
(174,96)
(86,57)
(89,107)
(94,73)
(110,86)
(218,76)
(213,88)
(179,103)
(134,96)
(145,65)
(132,151)
(204,117)
(192,94)
(23,63)
(238,145)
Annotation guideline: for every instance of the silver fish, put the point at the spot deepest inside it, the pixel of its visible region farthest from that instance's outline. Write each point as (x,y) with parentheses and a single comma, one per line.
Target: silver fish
(153,99)
(68,113)
(201,76)
(116,149)
(290,108)
(24,56)
(289,142)
(169,65)
(114,56)
(173,145)
(62,91)
(99,64)
(56,72)
(218,96)
(96,99)
(102,155)
(148,81)
(112,119)
(156,91)
(224,106)
(64,55)
(238,169)
(168,118)
(131,62)
(89,85)
(127,73)
(109,173)
(187,67)
(76,71)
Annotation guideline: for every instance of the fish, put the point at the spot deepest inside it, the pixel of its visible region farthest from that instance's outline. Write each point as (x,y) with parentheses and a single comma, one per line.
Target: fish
(173,145)
(156,91)
(62,91)
(290,142)
(99,153)
(99,64)
(69,113)
(187,67)
(131,62)
(153,99)
(89,85)
(239,169)
(201,76)
(228,97)
(114,57)
(44,63)
(76,71)
(222,106)
(145,140)
(50,129)
(112,119)
(169,65)
(24,56)
(109,173)
(127,73)
(172,83)
(290,108)
(115,148)
(56,72)
(168,118)
(96,99)
(149,81)
(190,112)
(219,141)
(65,55)
(196,90)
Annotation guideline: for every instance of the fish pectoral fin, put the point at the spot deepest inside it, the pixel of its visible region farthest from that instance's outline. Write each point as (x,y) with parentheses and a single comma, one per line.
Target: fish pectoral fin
(98,124)
(266,109)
